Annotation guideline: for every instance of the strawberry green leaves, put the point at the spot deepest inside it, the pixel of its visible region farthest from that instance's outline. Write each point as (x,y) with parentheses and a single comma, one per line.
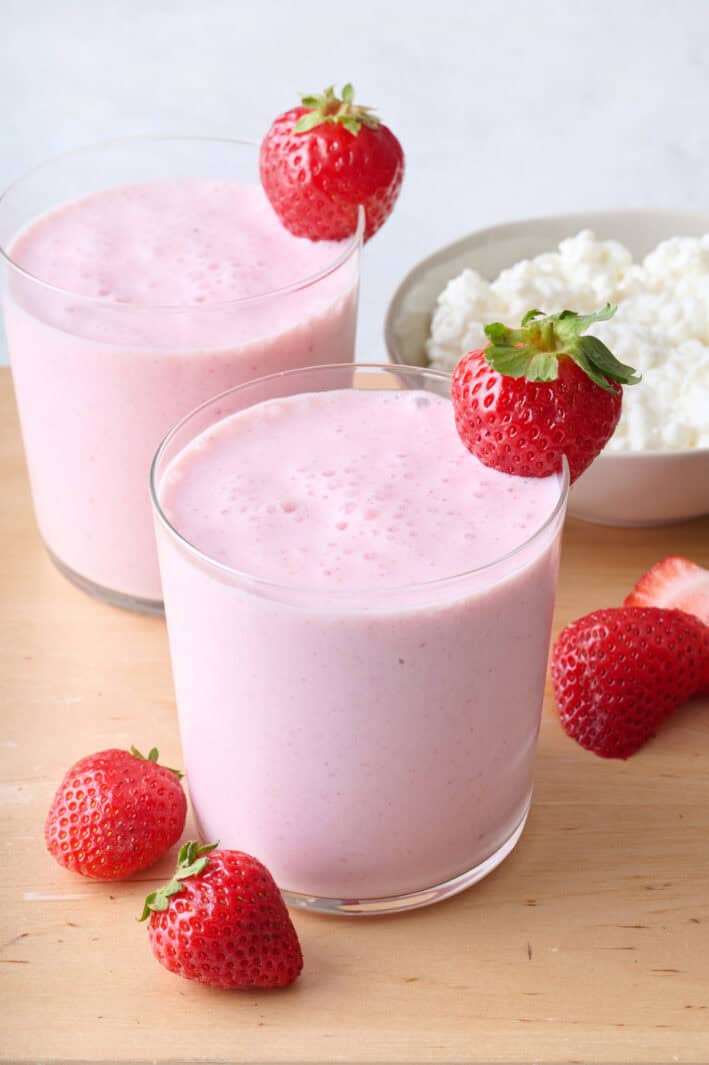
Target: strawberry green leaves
(153,755)
(310,120)
(327,107)
(597,360)
(191,861)
(533,350)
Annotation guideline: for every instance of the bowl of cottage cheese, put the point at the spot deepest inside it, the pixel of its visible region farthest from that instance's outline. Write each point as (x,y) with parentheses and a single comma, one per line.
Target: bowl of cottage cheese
(654,265)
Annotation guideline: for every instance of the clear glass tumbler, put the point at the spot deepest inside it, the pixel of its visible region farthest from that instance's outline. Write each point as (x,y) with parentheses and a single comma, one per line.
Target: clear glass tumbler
(367,786)
(100,381)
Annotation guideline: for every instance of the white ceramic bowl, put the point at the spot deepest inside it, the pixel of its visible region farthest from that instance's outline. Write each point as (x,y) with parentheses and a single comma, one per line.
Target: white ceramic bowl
(620,488)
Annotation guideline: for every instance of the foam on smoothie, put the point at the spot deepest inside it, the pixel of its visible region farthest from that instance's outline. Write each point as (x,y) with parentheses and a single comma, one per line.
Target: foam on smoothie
(348,489)
(169,243)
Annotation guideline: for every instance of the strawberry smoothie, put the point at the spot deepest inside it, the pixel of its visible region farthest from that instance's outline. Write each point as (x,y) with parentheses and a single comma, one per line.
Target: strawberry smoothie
(359,617)
(126,308)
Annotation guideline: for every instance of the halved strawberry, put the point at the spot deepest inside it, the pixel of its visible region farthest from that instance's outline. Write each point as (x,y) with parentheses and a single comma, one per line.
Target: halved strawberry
(677,583)
(619,673)
(674,582)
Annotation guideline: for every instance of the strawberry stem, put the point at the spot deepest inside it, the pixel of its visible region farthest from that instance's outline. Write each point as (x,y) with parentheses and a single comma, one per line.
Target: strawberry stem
(546,340)
(533,351)
(191,861)
(327,107)
(153,755)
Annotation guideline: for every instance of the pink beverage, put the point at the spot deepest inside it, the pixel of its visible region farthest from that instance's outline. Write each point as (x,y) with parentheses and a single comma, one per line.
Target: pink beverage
(359,617)
(127,307)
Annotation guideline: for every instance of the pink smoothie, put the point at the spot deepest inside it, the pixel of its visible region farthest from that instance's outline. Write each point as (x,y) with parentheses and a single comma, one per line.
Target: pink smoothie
(161,301)
(357,708)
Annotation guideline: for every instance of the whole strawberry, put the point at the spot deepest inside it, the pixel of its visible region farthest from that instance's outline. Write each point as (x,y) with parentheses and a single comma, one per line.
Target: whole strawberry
(540,392)
(619,673)
(221,921)
(321,161)
(115,813)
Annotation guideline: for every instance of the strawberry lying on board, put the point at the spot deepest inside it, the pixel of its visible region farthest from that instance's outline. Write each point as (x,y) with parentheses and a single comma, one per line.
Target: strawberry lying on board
(319,162)
(540,392)
(222,921)
(619,673)
(114,813)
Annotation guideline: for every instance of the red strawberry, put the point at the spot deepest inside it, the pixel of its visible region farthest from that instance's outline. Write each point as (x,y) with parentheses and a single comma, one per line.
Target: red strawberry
(319,162)
(540,392)
(674,582)
(114,813)
(221,921)
(619,673)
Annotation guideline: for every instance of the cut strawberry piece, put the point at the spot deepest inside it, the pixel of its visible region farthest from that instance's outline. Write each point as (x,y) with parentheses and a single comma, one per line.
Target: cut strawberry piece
(677,582)
(618,674)
(674,582)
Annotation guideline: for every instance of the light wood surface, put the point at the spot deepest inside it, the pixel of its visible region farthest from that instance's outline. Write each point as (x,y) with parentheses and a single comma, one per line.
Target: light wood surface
(590,943)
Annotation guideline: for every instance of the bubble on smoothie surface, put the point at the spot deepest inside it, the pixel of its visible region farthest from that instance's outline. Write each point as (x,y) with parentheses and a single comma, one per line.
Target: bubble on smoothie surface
(349,489)
(124,244)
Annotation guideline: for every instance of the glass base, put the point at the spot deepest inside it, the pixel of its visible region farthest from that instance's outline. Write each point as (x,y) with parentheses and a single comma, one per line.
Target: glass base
(415,899)
(107,595)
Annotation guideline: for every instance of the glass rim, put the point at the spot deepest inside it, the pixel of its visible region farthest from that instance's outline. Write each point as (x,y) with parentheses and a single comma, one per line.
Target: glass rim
(339,594)
(352,244)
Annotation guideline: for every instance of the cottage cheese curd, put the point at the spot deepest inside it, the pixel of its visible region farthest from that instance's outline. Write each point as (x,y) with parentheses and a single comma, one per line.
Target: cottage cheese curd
(661,326)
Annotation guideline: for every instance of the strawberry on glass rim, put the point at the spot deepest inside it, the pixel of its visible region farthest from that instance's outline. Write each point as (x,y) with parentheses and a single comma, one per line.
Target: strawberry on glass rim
(540,392)
(323,160)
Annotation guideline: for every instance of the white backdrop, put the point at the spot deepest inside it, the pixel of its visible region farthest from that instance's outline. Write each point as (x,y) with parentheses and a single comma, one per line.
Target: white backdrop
(505,109)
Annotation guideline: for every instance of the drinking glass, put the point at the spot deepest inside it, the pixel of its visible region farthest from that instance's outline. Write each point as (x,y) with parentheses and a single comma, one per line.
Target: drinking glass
(100,381)
(373,746)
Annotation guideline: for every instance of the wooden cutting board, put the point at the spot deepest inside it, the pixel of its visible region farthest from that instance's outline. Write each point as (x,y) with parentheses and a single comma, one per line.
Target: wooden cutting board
(590,943)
